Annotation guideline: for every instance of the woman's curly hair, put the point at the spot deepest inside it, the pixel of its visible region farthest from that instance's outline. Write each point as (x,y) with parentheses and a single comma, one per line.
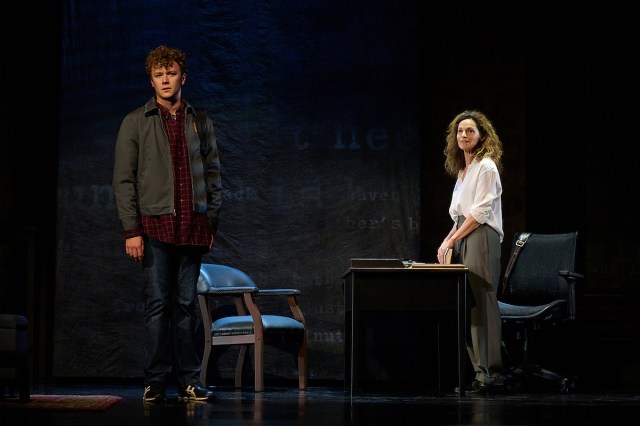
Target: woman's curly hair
(489,144)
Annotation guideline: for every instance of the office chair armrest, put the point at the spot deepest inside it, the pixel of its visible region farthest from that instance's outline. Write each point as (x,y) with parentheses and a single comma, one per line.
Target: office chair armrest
(278,292)
(571,278)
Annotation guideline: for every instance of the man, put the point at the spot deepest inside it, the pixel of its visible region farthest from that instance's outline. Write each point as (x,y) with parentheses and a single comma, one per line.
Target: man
(168,193)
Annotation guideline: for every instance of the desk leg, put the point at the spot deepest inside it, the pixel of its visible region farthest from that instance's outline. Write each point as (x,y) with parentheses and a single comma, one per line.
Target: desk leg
(355,346)
(462,331)
(351,319)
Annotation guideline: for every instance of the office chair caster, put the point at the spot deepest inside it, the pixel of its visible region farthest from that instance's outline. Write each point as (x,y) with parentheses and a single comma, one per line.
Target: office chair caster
(567,385)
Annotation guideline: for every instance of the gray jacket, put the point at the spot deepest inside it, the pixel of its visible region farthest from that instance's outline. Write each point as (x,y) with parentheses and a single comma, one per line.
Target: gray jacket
(143,170)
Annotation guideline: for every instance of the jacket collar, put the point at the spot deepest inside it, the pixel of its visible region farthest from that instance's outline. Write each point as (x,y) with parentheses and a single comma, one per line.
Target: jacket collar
(150,108)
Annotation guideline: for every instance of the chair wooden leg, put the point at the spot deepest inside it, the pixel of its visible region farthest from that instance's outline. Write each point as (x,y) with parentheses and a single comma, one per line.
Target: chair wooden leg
(258,351)
(205,365)
(206,320)
(240,364)
(302,365)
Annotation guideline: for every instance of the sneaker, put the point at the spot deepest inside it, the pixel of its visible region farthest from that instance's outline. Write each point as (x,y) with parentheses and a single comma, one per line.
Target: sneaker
(154,393)
(195,392)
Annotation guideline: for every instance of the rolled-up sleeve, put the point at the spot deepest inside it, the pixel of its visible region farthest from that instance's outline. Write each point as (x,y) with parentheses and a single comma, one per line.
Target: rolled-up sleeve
(488,191)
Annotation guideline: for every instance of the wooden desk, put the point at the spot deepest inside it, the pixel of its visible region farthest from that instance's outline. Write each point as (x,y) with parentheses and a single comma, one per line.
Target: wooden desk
(380,292)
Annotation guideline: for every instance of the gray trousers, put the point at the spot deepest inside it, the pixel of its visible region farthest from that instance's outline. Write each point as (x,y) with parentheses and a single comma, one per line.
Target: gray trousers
(480,252)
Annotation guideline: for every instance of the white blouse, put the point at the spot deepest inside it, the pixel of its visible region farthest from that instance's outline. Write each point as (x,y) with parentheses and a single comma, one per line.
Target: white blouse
(479,195)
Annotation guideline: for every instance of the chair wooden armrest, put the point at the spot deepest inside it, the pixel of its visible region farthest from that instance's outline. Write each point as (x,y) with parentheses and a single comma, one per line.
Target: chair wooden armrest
(292,300)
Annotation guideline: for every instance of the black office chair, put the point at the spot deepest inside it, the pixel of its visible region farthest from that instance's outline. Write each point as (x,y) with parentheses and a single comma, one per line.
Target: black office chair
(245,326)
(538,291)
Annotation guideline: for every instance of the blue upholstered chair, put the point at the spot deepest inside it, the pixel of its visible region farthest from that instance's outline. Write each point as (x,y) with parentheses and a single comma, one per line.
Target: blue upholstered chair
(247,327)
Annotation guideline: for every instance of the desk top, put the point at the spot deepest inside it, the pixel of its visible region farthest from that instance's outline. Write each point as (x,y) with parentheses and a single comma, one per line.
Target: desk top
(362,264)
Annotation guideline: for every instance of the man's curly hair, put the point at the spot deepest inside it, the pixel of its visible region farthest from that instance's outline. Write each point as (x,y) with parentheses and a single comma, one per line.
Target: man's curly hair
(163,56)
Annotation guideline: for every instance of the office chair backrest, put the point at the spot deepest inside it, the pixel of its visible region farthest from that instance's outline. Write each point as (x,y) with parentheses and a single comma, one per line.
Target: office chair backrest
(534,278)
(222,276)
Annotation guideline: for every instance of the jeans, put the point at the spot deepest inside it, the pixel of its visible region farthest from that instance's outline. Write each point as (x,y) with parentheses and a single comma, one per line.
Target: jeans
(171,275)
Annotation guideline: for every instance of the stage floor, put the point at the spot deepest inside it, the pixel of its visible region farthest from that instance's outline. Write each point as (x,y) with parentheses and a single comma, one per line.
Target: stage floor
(334,406)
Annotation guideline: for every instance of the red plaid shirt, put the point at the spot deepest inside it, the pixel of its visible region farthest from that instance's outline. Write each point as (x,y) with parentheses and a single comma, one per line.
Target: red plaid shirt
(185,227)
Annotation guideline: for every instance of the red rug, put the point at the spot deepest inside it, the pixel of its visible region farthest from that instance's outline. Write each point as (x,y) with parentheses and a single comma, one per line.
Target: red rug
(64,402)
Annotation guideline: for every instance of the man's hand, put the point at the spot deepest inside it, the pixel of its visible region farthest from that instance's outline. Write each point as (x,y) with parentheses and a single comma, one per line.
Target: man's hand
(135,248)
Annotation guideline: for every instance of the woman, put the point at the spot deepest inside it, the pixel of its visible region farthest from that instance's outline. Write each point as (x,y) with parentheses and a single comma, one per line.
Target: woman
(473,155)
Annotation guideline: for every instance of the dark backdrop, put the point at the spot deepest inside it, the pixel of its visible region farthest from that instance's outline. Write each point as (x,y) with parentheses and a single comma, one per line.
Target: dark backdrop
(330,119)
(316,107)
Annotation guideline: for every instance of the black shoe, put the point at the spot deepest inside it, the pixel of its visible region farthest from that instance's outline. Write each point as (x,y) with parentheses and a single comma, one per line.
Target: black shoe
(480,388)
(195,392)
(155,394)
